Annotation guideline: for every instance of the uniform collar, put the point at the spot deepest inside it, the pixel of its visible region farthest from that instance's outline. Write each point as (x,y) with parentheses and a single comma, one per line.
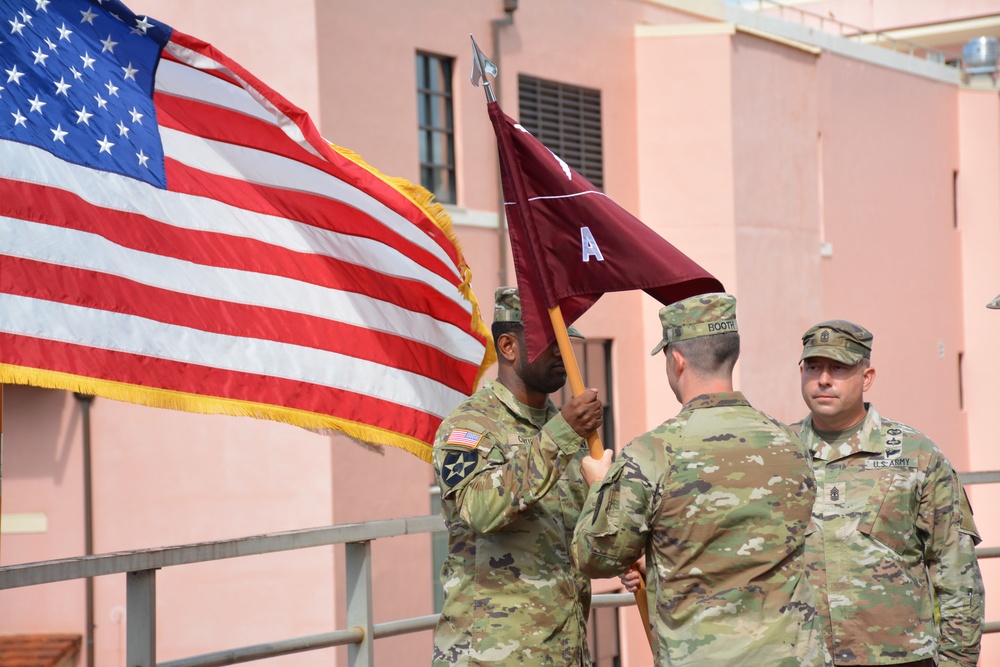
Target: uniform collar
(515,406)
(724,398)
(866,440)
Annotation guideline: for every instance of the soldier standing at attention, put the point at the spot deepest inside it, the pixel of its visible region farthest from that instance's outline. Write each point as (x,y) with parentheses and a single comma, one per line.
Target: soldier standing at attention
(895,535)
(718,499)
(508,463)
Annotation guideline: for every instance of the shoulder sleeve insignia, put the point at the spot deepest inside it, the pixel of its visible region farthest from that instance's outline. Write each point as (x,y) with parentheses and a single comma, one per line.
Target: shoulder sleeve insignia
(466,438)
(457,465)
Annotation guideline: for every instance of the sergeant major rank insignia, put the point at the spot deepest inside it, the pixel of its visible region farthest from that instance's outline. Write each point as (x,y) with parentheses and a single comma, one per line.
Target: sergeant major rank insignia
(835,496)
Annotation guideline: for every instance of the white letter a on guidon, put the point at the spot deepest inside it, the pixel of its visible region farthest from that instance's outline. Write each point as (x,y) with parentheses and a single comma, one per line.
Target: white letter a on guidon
(589,245)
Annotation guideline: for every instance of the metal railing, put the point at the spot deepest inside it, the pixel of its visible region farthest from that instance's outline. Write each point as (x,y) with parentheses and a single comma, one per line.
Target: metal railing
(140,568)
(849,31)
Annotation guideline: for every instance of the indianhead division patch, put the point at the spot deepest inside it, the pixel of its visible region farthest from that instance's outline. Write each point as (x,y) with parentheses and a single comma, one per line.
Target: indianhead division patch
(466,438)
(457,465)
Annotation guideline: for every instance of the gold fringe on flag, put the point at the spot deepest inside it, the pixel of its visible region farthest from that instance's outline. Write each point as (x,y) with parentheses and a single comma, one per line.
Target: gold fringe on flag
(175,400)
(424,200)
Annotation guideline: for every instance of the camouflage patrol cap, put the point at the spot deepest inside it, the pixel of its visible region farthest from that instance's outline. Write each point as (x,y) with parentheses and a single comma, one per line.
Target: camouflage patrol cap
(507,308)
(839,340)
(696,316)
(995,303)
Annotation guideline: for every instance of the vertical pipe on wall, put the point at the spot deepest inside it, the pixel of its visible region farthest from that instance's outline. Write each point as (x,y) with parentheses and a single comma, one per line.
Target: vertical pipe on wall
(85,401)
(1,444)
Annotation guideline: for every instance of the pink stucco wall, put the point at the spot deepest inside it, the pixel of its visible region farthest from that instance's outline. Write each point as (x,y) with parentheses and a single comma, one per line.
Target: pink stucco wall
(162,478)
(684,108)
(979,213)
(890,152)
(43,477)
(776,167)
(771,152)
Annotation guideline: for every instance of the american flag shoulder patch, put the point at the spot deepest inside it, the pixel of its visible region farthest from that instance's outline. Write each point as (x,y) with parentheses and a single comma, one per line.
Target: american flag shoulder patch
(461,436)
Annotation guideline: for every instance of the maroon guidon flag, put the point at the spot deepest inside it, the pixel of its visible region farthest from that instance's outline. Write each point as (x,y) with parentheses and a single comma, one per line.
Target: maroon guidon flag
(572,243)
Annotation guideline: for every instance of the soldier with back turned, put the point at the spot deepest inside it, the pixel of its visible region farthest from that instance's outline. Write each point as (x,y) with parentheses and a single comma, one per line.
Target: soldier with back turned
(718,500)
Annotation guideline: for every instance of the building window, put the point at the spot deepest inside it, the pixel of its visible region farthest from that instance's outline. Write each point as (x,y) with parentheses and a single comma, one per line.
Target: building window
(593,356)
(436,121)
(567,119)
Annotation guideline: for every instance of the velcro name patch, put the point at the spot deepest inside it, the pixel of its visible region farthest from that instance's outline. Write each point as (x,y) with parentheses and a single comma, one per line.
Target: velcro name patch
(874,464)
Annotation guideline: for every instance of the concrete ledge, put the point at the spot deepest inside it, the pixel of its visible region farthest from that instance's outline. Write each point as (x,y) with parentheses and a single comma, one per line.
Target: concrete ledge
(772,27)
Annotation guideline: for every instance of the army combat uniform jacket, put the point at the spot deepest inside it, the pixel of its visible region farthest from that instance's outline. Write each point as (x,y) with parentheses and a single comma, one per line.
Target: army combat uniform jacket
(511,492)
(718,498)
(894,534)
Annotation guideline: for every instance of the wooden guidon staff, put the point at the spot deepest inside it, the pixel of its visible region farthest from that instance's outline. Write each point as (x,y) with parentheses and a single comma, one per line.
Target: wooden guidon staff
(481,67)
(594,439)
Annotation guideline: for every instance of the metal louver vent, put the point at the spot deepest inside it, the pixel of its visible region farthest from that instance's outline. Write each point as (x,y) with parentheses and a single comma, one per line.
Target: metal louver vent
(567,119)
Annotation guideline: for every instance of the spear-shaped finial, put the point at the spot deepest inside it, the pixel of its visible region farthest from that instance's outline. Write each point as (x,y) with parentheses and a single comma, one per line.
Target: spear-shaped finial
(481,66)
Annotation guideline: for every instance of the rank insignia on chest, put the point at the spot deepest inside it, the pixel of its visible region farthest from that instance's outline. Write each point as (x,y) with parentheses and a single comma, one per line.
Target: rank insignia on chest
(835,493)
(457,465)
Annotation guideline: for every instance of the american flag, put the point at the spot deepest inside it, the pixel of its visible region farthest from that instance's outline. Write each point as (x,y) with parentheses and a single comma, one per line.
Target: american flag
(463,437)
(175,233)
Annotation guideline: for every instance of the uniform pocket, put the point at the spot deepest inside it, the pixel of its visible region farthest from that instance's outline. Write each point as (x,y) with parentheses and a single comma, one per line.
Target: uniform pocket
(605,520)
(890,517)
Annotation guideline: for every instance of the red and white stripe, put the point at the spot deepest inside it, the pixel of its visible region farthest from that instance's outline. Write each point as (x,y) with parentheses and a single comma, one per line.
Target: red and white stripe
(273,269)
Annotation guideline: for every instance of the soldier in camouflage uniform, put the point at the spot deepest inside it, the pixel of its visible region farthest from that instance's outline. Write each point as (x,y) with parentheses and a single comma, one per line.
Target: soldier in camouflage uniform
(508,463)
(718,499)
(894,534)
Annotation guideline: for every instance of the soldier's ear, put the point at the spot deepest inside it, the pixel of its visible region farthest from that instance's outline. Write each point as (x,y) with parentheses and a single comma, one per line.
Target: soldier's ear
(867,379)
(508,347)
(677,361)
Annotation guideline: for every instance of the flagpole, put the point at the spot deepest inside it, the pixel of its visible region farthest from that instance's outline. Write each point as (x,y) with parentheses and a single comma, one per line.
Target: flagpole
(481,67)
(594,439)
(573,372)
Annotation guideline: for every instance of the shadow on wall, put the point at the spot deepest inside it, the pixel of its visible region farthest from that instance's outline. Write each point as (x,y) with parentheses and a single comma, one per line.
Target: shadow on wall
(38,441)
